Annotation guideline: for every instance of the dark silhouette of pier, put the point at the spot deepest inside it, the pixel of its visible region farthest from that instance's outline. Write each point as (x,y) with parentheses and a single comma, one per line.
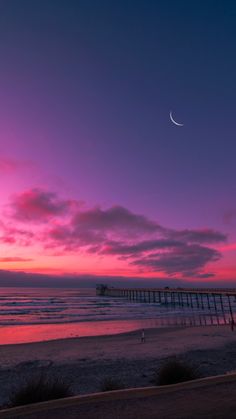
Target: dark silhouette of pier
(214,301)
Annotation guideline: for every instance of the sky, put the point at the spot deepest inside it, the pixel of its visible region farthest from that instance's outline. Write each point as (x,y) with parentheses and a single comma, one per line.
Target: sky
(95,179)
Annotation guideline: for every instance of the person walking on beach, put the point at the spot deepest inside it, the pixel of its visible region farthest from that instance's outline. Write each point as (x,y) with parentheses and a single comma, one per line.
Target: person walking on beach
(232,323)
(142,336)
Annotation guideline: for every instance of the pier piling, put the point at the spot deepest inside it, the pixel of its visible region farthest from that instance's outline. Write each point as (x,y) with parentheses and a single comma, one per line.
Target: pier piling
(215,301)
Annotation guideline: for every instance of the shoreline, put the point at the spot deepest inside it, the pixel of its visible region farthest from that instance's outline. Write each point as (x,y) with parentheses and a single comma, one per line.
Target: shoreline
(164,341)
(36,333)
(44,332)
(77,347)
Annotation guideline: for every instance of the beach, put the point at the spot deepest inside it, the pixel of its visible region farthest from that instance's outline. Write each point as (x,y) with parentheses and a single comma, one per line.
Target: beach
(85,362)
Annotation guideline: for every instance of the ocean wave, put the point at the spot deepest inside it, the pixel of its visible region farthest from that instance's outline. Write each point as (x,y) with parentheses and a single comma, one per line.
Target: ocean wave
(63,306)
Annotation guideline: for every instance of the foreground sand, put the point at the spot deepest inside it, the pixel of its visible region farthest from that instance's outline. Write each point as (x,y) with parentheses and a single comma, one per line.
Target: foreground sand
(85,362)
(208,398)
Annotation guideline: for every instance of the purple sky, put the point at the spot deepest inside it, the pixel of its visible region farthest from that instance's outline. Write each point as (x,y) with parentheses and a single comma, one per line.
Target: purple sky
(86,91)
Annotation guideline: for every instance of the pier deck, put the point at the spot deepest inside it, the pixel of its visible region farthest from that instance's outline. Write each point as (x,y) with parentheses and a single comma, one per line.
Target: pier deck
(214,300)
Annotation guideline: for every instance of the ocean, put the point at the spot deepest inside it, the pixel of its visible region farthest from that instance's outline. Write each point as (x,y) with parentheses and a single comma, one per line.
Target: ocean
(38,314)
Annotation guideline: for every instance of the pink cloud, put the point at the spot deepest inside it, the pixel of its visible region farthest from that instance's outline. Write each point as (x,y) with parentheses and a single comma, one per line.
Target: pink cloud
(65,226)
(15,259)
(10,235)
(38,205)
(119,232)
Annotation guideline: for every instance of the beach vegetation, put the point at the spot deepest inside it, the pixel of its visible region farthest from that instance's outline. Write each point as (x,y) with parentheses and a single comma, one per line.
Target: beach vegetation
(174,371)
(40,389)
(111,384)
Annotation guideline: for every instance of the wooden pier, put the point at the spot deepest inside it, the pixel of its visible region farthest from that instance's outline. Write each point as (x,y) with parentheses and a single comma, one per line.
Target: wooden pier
(214,300)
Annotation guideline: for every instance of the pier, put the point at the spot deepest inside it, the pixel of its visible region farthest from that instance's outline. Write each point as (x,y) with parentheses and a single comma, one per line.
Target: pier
(213,300)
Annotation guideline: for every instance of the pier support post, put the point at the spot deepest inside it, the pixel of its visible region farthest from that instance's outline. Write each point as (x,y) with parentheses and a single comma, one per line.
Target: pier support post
(191,299)
(208,301)
(222,307)
(165,298)
(202,300)
(230,309)
(215,305)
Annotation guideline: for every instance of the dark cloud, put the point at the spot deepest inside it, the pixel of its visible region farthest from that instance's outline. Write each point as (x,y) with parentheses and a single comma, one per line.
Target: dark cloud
(98,227)
(188,260)
(202,236)
(137,248)
(23,279)
(205,276)
(116,219)
(71,238)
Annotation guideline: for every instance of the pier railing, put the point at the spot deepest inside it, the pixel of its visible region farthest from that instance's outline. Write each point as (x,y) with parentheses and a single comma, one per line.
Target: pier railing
(214,300)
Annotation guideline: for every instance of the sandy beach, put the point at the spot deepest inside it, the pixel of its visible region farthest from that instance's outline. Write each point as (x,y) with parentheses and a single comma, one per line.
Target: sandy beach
(85,362)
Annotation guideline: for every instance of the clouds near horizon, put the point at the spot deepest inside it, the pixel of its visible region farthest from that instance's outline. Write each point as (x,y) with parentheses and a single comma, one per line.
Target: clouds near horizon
(14,259)
(41,216)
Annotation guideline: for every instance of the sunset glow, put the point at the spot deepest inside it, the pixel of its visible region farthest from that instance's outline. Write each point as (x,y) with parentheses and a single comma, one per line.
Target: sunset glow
(94,177)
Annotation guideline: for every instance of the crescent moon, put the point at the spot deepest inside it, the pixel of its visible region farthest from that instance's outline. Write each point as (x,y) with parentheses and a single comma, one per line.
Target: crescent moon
(174,122)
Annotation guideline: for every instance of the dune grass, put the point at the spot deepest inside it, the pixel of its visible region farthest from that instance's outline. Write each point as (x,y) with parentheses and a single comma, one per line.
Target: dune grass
(173,372)
(111,384)
(39,389)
